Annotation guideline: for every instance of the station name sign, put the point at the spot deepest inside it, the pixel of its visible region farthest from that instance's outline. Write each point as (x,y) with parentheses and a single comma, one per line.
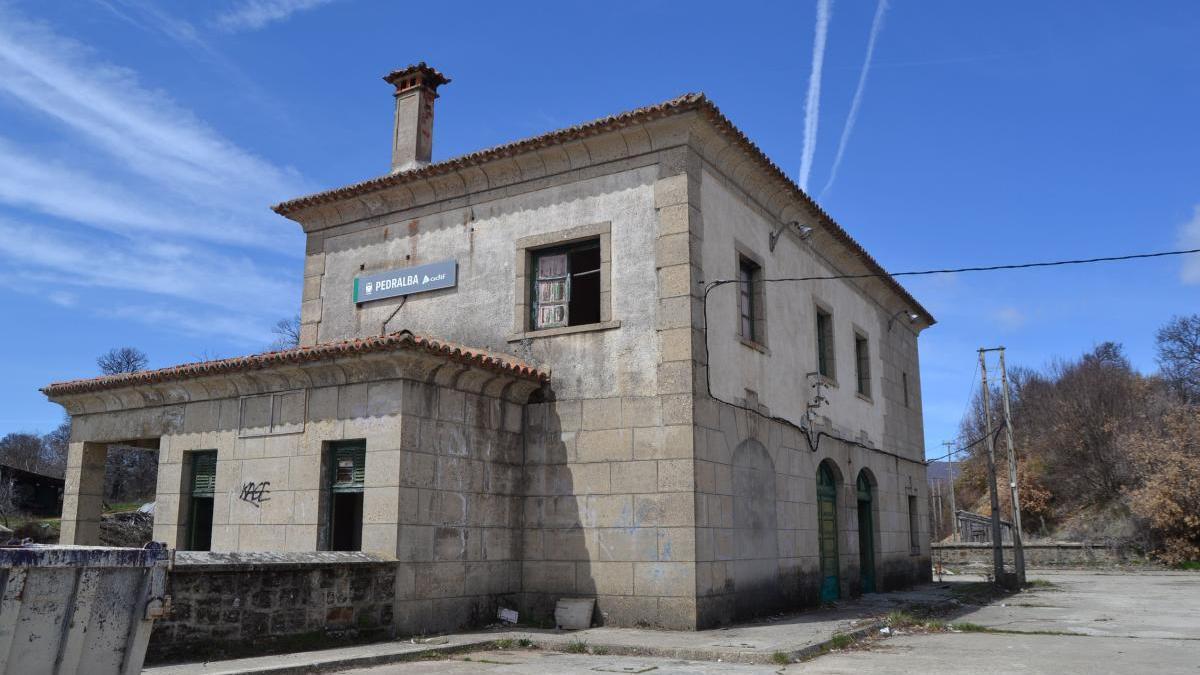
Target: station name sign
(406,281)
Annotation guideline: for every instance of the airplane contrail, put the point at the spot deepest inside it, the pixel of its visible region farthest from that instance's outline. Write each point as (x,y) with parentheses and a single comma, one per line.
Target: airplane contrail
(876,29)
(812,105)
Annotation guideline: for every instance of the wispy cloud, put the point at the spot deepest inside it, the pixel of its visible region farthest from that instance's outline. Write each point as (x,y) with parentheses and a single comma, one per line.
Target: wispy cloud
(254,14)
(135,207)
(64,260)
(812,104)
(1009,318)
(1189,237)
(876,29)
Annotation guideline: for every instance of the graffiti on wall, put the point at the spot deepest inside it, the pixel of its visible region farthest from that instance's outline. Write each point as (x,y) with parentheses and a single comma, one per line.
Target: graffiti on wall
(255,493)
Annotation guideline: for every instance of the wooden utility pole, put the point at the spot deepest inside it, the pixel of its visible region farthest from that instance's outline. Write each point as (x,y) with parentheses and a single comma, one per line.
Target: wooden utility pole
(937,510)
(953,509)
(997,541)
(1018,547)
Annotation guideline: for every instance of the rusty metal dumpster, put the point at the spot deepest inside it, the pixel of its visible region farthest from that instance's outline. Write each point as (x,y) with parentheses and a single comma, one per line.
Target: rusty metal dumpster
(79,609)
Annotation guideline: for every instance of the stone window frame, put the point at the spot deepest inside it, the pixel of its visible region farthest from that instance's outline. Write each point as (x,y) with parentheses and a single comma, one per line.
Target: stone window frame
(526,247)
(271,430)
(758,342)
(861,334)
(822,307)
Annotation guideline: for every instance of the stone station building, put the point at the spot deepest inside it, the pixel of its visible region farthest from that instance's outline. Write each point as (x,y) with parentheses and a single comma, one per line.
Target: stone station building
(575,428)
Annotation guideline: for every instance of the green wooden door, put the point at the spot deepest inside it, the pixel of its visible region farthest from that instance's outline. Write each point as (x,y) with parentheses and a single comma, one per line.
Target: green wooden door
(866,536)
(827,533)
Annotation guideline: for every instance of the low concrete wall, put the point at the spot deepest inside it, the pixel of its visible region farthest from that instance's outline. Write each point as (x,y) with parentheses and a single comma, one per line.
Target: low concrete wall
(1053,555)
(231,604)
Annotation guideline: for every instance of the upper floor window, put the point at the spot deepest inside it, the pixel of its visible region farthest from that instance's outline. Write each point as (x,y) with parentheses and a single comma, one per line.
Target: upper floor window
(750,309)
(862,361)
(825,362)
(566,285)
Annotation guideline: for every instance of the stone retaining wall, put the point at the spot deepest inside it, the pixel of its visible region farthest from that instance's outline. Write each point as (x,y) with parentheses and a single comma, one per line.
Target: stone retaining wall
(232,604)
(1054,555)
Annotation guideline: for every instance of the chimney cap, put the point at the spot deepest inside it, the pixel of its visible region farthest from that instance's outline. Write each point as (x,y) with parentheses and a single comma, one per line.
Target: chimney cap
(417,74)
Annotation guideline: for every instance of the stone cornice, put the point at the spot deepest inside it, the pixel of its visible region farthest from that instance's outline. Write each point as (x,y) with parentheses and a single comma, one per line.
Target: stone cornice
(348,369)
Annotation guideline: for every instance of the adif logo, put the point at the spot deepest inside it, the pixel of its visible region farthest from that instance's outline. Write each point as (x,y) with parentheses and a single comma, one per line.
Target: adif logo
(425,280)
(369,287)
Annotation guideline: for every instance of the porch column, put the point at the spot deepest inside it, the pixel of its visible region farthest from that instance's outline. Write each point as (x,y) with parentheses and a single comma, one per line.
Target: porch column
(83,498)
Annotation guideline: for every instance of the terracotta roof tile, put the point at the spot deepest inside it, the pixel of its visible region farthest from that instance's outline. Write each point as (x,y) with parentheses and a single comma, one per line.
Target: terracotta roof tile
(681,104)
(478,358)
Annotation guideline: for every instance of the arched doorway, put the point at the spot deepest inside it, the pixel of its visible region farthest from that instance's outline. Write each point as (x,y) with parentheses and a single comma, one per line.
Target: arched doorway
(827,532)
(866,534)
(756,533)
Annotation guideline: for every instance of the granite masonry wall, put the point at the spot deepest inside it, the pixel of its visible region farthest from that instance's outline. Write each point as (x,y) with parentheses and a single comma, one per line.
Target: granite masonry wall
(226,605)
(1066,555)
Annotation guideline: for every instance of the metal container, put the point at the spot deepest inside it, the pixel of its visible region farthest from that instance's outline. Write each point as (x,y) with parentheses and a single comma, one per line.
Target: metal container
(79,609)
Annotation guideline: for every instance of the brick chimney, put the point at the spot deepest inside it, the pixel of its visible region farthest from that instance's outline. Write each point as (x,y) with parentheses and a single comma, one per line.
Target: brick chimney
(412,133)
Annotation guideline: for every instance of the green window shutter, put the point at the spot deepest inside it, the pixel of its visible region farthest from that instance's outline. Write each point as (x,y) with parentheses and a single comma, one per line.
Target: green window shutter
(349,468)
(204,473)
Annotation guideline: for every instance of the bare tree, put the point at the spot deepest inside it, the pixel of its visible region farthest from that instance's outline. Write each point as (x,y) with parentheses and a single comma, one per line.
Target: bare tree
(122,360)
(22,451)
(287,333)
(54,449)
(8,499)
(1179,356)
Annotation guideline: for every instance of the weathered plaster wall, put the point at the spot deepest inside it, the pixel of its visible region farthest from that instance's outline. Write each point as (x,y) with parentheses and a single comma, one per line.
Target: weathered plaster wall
(757,548)
(610,509)
(482,238)
(777,374)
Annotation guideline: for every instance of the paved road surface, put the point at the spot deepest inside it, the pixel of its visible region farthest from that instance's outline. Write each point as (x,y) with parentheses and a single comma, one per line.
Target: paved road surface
(1118,623)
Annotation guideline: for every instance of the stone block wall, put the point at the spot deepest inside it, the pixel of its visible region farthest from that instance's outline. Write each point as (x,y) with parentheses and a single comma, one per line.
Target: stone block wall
(757,547)
(608,511)
(225,605)
(1063,555)
(451,497)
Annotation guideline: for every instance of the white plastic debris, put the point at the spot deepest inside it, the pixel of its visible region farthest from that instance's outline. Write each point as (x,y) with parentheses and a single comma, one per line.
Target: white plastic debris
(885,631)
(508,615)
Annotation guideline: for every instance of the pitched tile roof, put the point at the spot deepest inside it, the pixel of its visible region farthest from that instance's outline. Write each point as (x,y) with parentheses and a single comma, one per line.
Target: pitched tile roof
(687,102)
(403,340)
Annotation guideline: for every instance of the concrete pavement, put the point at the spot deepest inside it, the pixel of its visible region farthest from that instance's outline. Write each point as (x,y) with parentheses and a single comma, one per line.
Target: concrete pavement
(1081,622)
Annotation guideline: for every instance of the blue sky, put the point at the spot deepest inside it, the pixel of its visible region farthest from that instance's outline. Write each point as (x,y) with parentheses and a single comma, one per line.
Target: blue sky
(141,144)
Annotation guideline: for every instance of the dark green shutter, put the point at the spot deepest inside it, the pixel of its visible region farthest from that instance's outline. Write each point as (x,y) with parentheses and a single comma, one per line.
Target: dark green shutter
(204,473)
(349,468)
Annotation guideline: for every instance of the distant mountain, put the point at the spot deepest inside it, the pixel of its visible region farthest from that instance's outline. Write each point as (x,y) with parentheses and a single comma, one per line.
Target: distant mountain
(940,471)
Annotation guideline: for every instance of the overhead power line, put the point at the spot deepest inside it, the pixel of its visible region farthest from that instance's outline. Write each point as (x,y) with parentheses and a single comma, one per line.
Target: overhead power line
(815,439)
(985,268)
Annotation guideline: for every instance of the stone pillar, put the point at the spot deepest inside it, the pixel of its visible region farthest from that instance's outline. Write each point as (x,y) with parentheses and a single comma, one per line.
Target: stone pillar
(83,499)
(677,246)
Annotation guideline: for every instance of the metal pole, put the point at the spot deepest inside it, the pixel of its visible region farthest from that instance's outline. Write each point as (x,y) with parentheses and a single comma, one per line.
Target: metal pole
(997,541)
(953,509)
(1018,546)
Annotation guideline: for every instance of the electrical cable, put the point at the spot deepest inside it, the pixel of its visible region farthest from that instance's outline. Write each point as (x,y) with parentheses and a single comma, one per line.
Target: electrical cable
(814,441)
(986,268)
